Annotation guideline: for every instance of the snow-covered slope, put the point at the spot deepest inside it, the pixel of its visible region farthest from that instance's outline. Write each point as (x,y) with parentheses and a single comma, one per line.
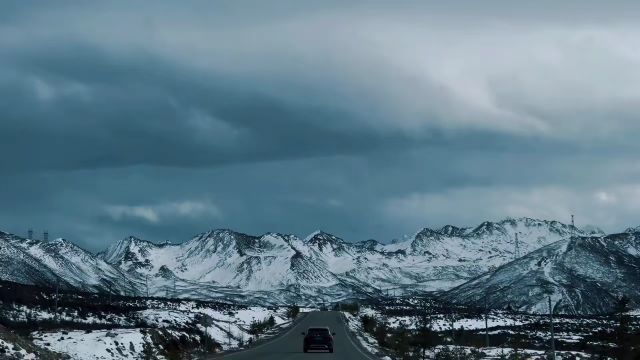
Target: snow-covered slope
(325,264)
(279,268)
(19,266)
(580,274)
(58,261)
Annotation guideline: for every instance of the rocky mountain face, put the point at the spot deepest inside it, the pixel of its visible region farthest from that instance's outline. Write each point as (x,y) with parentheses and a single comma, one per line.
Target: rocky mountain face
(58,263)
(581,274)
(279,268)
(19,266)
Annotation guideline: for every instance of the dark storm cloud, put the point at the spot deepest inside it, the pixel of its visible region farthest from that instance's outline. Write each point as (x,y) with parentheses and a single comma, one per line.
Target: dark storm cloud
(140,111)
(367,120)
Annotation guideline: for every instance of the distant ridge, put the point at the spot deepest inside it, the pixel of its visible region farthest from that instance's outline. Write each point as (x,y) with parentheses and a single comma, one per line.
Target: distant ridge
(278,268)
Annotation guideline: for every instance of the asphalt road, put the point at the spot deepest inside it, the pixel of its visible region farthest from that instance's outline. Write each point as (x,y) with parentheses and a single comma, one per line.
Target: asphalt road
(289,345)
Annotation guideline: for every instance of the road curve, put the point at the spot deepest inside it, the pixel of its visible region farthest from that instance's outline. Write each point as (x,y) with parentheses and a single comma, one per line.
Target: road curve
(289,345)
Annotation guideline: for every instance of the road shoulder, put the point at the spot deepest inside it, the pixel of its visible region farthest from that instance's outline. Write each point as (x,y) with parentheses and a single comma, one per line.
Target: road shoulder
(285,330)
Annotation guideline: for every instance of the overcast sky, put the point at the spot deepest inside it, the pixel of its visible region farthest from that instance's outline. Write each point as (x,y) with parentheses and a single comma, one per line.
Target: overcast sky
(367,120)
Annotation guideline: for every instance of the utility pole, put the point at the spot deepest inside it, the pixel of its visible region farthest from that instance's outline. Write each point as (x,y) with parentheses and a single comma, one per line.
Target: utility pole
(110,291)
(206,321)
(453,329)
(553,342)
(573,226)
(124,284)
(486,321)
(55,306)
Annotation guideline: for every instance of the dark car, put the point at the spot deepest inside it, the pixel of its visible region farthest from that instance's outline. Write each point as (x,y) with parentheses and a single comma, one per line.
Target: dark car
(318,338)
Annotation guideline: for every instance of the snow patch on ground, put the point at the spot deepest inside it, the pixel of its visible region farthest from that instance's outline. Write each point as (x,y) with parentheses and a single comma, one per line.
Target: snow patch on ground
(101,344)
(366,340)
(13,350)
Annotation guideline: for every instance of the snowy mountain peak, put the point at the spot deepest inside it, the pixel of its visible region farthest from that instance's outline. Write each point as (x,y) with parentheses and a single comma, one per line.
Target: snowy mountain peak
(218,234)
(320,236)
(489,228)
(451,230)
(633,230)
(571,271)
(60,244)
(325,242)
(225,263)
(425,240)
(313,234)
(129,249)
(370,245)
(591,230)
(428,232)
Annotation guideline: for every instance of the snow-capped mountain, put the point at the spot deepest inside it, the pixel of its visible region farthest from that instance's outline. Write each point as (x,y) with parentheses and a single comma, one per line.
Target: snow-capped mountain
(58,262)
(279,268)
(19,266)
(580,274)
(321,263)
(633,229)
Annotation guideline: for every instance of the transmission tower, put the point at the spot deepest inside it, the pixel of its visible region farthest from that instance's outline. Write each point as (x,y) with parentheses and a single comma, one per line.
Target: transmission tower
(553,340)
(45,236)
(517,249)
(573,226)
(30,234)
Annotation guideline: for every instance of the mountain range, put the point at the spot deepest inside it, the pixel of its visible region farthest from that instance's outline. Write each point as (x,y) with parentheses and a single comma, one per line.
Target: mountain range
(283,269)
(579,274)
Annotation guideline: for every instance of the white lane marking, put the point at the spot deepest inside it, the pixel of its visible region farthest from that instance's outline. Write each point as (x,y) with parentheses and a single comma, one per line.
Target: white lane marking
(269,342)
(347,329)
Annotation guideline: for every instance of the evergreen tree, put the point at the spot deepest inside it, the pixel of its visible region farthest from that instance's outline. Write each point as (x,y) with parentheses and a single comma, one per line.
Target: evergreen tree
(293,312)
(147,351)
(401,342)
(381,334)
(425,337)
(623,348)
(368,323)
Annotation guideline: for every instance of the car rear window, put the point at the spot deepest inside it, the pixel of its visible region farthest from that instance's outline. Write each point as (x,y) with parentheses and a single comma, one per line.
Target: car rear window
(320,331)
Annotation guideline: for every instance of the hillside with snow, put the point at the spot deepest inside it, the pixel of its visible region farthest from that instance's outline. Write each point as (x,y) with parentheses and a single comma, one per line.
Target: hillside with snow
(283,269)
(581,275)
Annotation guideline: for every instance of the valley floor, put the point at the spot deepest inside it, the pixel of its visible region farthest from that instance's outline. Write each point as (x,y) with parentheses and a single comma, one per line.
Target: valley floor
(88,326)
(401,330)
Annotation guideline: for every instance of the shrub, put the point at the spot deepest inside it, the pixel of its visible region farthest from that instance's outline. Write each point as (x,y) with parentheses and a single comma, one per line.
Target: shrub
(293,312)
(368,323)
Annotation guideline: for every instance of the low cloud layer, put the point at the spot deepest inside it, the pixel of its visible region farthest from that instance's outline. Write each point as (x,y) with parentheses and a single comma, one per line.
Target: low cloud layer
(368,121)
(156,213)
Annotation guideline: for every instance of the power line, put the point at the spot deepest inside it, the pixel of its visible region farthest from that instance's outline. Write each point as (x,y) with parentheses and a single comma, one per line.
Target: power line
(553,341)
(573,227)
(486,320)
